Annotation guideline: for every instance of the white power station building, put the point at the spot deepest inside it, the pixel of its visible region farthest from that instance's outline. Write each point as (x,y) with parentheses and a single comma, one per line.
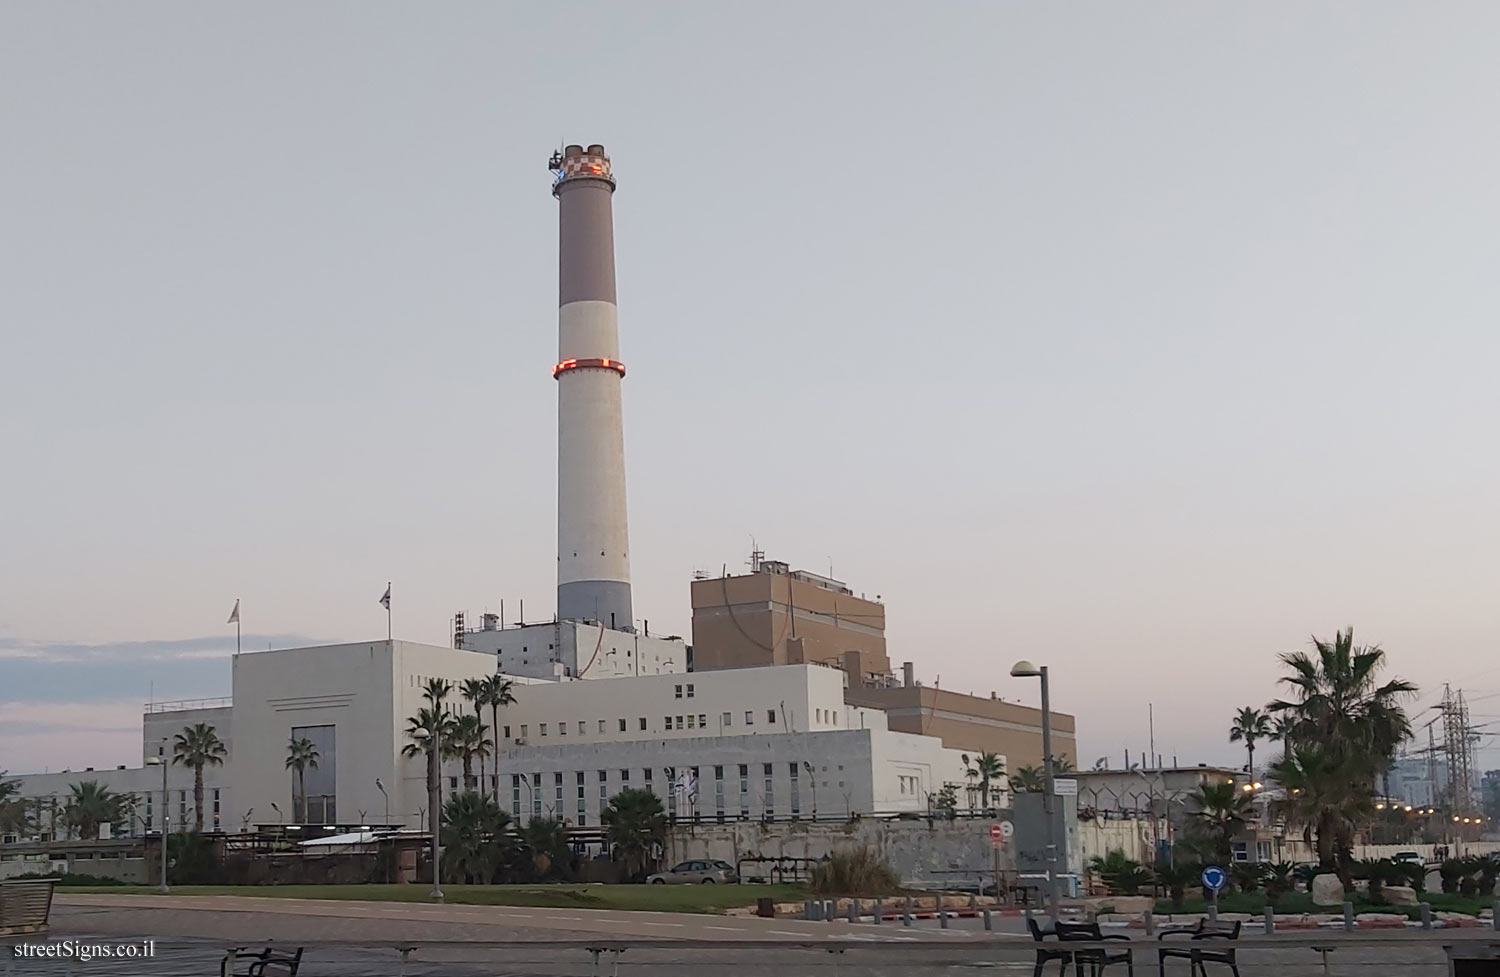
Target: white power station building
(756,743)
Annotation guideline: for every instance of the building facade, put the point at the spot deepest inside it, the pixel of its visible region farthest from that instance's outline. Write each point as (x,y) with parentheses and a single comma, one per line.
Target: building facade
(779,616)
(577,649)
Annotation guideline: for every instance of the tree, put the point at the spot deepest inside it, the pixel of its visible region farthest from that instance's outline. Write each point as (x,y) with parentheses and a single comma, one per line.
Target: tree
(635,824)
(13,815)
(474,690)
(945,802)
(301,755)
(1176,875)
(198,746)
(1344,723)
(991,769)
(90,805)
(1027,780)
(1061,765)
(473,829)
(467,740)
(1250,725)
(547,841)
(497,694)
(1221,814)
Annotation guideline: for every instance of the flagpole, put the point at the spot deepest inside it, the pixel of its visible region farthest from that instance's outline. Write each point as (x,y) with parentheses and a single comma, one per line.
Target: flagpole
(388,611)
(236,635)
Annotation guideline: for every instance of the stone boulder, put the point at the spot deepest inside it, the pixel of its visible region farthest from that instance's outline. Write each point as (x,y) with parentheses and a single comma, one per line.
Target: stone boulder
(1399,895)
(1327,890)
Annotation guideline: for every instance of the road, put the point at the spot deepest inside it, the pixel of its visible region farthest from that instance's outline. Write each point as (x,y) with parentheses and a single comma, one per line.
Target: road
(361,939)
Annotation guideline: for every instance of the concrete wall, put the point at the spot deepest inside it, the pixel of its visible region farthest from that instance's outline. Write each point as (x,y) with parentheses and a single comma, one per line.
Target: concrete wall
(943,851)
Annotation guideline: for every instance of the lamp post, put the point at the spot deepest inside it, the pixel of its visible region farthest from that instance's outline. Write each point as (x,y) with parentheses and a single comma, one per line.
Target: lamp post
(813,779)
(387,797)
(161,761)
(1025,669)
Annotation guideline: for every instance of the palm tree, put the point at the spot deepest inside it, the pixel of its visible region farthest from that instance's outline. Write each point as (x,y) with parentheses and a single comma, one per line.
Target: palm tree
(991,768)
(301,754)
(1344,724)
(472,829)
(466,741)
(496,695)
(90,805)
(435,690)
(1221,814)
(1250,725)
(635,824)
(475,690)
(547,840)
(1061,765)
(198,746)
(1028,780)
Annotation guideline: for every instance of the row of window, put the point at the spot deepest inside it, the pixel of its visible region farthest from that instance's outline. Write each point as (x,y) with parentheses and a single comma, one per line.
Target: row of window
(683,790)
(686,721)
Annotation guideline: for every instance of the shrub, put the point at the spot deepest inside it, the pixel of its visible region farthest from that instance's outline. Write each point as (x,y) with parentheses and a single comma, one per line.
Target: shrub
(1248,875)
(1123,876)
(1279,879)
(68,878)
(855,872)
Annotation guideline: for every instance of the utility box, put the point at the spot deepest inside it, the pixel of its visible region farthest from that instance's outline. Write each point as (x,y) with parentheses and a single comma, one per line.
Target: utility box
(1030,841)
(1473,960)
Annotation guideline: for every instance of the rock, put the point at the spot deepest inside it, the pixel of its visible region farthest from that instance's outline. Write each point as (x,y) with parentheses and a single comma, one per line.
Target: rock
(1399,895)
(1327,890)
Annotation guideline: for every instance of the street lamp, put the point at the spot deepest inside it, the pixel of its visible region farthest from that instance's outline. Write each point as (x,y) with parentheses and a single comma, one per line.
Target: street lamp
(161,761)
(381,787)
(812,774)
(1025,669)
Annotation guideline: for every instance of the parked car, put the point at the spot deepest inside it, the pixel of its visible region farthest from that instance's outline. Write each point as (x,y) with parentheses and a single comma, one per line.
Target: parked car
(1414,858)
(706,872)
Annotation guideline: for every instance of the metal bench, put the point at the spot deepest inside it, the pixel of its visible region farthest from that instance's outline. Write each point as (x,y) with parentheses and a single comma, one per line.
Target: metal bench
(270,962)
(25,905)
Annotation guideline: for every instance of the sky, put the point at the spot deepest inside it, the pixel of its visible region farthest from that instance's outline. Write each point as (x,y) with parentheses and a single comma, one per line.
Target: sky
(1145,341)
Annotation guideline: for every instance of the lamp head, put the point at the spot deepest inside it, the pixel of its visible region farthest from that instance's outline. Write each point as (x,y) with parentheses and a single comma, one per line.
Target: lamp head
(1024,669)
(153,761)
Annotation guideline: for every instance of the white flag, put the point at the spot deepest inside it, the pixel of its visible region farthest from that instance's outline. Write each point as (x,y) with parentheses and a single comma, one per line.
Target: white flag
(234,615)
(385,601)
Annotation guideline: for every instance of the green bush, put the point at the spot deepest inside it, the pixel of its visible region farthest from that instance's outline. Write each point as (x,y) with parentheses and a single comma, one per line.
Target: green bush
(68,878)
(1123,876)
(855,872)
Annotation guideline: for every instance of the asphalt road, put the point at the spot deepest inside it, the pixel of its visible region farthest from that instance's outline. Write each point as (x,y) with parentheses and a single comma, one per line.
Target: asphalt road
(354,939)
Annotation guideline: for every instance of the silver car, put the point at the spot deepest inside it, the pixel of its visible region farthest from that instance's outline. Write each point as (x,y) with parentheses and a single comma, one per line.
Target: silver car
(704,872)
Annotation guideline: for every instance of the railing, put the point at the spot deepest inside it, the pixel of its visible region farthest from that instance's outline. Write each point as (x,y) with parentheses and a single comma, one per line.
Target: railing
(181,705)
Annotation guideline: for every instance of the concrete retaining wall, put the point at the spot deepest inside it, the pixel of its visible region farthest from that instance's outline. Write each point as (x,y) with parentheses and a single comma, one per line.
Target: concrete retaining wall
(945,851)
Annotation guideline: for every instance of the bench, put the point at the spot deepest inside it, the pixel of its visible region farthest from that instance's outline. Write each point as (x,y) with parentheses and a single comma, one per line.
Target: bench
(25,905)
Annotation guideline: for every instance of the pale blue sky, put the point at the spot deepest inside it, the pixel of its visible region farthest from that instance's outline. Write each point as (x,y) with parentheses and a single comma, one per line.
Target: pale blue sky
(1141,339)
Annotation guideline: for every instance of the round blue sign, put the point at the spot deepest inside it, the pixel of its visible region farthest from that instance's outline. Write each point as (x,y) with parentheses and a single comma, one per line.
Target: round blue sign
(1214,878)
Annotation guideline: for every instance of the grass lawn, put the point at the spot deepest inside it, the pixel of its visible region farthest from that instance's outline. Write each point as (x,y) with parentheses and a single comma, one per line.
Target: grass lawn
(1301,902)
(649,898)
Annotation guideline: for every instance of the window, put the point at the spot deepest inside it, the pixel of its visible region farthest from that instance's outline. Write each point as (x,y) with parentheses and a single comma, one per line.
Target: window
(749,718)
(216,800)
(727,719)
(562,728)
(744,790)
(691,721)
(583,727)
(622,725)
(544,729)
(679,722)
(679,692)
(796,791)
(536,795)
(1240,851)
(690,691)
(453,783)
(1262,851)
(505,732)
(625,777)
(515,794)
(601,725)
(666,721)
(702,721)
(770,791)
(557,792)
(643,724)
(646,775)
(579,777)
(523,731)
(719,793)
(603,790)
(771,716)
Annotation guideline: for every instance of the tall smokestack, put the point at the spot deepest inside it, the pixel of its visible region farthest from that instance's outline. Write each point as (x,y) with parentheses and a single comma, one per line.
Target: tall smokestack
(593,552)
